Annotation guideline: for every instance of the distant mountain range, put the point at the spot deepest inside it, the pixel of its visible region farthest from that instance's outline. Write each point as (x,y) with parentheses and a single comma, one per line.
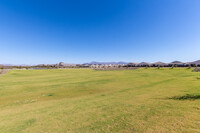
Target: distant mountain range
(196,62)
(16,65)
(106,63)
(121,62)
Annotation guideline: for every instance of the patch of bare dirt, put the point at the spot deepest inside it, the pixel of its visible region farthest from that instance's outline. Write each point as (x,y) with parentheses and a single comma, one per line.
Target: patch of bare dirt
(4,71)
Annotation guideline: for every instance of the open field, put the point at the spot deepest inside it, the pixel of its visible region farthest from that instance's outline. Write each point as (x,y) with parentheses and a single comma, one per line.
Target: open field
(84,100)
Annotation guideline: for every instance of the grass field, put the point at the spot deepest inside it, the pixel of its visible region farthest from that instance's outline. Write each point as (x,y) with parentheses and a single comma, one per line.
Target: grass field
(83,100)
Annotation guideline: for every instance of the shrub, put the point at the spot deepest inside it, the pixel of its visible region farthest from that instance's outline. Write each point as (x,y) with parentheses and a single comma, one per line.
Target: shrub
(1,67)
(172,67)
(196,69)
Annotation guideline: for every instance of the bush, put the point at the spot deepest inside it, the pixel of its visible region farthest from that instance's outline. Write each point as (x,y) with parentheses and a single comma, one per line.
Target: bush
(172,67)
(196,69)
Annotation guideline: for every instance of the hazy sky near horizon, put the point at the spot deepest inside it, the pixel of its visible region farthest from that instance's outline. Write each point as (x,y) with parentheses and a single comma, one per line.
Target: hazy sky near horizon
(79,31)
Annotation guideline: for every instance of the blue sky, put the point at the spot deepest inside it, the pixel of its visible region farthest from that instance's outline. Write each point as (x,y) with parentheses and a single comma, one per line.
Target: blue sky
(79,31)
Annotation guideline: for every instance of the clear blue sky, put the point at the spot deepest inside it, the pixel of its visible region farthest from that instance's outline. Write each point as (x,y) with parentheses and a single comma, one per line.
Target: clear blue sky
(78,31)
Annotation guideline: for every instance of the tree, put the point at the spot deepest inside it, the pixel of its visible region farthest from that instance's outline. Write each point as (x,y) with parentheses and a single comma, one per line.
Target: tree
(19,67)
(27,67)
(172,66)
(1,67)
(189,67)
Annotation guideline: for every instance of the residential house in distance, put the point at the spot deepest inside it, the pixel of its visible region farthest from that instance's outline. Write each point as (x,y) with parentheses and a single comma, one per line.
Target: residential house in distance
(143,64)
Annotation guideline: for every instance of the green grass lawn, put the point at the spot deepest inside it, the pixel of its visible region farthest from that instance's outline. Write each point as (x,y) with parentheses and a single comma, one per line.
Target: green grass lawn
(83,100)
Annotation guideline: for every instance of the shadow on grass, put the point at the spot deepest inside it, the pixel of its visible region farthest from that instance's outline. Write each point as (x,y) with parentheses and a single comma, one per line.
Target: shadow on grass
(186,97)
